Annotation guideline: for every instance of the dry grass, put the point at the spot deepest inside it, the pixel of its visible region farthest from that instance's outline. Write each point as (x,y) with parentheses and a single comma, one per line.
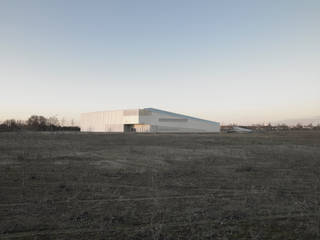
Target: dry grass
(165,186)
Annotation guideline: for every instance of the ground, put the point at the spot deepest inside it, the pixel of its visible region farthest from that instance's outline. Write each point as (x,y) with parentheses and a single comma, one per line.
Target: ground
(160,186)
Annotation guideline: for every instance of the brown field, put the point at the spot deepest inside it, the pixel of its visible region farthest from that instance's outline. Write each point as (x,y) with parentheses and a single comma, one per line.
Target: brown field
(160,186)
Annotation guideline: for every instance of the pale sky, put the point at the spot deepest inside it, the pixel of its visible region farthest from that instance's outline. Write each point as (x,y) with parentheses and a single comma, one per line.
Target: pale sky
(232,61)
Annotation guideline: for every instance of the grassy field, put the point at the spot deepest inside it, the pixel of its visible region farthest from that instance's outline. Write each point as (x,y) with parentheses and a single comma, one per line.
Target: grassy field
(160,186)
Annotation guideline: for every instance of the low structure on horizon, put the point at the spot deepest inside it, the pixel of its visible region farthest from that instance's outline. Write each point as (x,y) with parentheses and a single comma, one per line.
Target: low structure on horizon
(144,120)
(240,130)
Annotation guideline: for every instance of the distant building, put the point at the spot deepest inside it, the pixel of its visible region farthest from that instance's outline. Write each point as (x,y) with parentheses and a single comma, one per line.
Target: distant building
(240,130)
(144,120)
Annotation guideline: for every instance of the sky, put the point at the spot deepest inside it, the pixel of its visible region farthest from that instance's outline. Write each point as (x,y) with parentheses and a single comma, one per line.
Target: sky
(231,61)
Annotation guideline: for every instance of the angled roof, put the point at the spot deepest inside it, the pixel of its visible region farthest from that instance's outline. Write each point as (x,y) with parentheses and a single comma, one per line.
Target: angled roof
(178,115)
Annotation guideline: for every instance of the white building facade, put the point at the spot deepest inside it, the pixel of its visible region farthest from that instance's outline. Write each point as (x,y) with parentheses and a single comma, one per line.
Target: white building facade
(144,120)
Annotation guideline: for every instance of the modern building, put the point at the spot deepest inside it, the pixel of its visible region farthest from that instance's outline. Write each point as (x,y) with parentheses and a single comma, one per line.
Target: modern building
(144,120)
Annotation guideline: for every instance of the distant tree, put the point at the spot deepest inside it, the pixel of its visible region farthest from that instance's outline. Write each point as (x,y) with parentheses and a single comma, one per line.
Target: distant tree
(310,126)
(11,125)
(283,126)
(33,121)
(299,126)
(63,122)
(53,121)
(37,122)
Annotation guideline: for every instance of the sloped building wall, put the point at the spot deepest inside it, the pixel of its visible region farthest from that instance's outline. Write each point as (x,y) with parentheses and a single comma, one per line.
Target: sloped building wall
(162,121)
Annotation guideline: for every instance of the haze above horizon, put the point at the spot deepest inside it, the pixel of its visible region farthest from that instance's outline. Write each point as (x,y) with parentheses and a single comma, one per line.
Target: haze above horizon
(228,61)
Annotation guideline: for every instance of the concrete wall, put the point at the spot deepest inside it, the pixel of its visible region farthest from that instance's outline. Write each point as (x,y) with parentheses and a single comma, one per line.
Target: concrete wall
(108,121)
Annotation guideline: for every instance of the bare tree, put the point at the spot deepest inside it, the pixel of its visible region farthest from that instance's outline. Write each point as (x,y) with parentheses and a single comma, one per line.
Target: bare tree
(63,121)
(54,121)
(37,122)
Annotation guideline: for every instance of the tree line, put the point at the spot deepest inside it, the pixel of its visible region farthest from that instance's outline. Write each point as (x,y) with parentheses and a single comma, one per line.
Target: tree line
(36,123)
(278,127)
